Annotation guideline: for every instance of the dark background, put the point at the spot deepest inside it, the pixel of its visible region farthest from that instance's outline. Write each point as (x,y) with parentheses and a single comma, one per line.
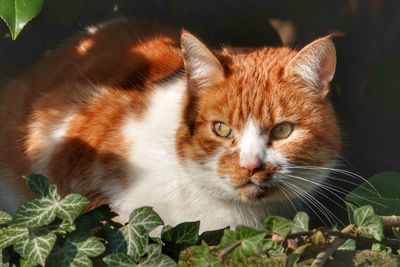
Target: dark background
(366,89)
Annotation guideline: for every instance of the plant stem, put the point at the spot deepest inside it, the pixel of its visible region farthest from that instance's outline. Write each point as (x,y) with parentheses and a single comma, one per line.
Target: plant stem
(229,249)
(324,255)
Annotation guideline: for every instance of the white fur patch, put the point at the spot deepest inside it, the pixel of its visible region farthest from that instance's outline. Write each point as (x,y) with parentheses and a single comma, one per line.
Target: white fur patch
(252,144)
(52,136)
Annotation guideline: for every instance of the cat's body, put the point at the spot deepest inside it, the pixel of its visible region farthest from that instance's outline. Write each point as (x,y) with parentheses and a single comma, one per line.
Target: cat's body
(124,116)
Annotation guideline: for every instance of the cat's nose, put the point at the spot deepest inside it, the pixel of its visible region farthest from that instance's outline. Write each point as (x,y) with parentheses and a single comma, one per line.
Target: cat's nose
(251,165)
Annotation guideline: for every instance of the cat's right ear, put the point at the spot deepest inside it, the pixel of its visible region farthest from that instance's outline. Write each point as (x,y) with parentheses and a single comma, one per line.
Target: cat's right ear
(202,68)
(315,65)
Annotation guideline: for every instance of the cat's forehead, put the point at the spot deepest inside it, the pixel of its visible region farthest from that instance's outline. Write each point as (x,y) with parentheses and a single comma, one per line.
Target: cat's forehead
(260,60)
(254,88)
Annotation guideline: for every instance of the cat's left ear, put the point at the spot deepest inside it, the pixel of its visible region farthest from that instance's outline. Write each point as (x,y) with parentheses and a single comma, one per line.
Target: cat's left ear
(202,67)
(315,65)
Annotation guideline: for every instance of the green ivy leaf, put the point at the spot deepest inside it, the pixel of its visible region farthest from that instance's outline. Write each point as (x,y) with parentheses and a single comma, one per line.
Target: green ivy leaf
(76,250)
(300,222)
(202,256)
(318,238)
(272,247)
(350,244)
(17,13)
(183,233)
(278,225)
(351,208)
(12,234)
(4,217)
(39,184)
(388,200)
(119,260)
(155,258)
(145,217)
(37,246)
(212,237)
(26,263)
(251,241)
(43,211)
(133,238)
(368,223)
(71,206)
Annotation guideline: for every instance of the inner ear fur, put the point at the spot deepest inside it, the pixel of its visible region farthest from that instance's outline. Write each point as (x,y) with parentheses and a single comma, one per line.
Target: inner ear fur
(202,67)
(314,65)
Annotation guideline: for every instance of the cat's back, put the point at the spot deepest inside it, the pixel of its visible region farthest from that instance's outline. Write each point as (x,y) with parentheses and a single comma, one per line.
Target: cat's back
(92,80)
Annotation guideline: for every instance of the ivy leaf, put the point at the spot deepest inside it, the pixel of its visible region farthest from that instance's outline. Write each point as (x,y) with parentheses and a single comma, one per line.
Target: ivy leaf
(17,13)
(40,212)
(145,217)
(350,244)
(183,233)
(318,238)
(381,248)
(4,217)
(133,238)
(351,208)
(75,251)
(71,206)
(12,234)
(202,256)
(39,184)
(36,247)
(273,248)
(155,258)
(300,222)
(212,237)
(368,223)
(119,260)
(387,202)
(278,225)
(251,242)
(35,213)
(27,263)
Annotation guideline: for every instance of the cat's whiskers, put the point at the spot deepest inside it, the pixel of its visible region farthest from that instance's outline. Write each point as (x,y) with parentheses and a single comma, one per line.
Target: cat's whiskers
(332,188)
(341,171)
(287,197)
(320,192)
(316,188)
(309,203)
(324,210)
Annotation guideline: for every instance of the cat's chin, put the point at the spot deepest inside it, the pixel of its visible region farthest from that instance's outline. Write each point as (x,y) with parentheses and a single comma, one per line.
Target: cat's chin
(251,192)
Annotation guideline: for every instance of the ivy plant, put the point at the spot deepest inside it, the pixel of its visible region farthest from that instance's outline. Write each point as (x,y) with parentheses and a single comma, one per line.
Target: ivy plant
(57,231)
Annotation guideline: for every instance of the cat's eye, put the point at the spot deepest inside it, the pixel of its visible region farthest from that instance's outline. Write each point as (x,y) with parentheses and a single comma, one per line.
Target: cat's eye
(282,130)
(221,129)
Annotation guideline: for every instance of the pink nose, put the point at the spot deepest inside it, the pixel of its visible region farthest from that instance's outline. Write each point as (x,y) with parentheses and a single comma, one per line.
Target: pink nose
(251,165)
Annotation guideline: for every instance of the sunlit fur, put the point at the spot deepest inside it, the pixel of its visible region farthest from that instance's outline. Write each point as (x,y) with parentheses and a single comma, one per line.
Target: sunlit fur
(124,113)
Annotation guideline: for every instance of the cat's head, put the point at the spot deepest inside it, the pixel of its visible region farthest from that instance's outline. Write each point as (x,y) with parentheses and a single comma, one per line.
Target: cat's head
(256,121)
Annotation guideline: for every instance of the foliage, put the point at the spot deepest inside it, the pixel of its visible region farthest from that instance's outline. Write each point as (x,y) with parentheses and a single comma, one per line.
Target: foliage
(381,191)
(17,13)
(55,231)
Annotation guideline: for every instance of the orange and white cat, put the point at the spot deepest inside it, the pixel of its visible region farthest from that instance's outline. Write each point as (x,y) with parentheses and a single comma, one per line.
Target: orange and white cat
(135,114)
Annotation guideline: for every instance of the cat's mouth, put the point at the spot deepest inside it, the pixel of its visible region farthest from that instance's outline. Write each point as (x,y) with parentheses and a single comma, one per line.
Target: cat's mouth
(252,191)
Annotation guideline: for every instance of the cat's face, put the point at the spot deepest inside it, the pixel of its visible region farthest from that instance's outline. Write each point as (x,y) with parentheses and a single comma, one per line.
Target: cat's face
(251,117)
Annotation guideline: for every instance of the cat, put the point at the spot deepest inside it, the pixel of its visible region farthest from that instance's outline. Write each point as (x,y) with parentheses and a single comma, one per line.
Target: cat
(134,114)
